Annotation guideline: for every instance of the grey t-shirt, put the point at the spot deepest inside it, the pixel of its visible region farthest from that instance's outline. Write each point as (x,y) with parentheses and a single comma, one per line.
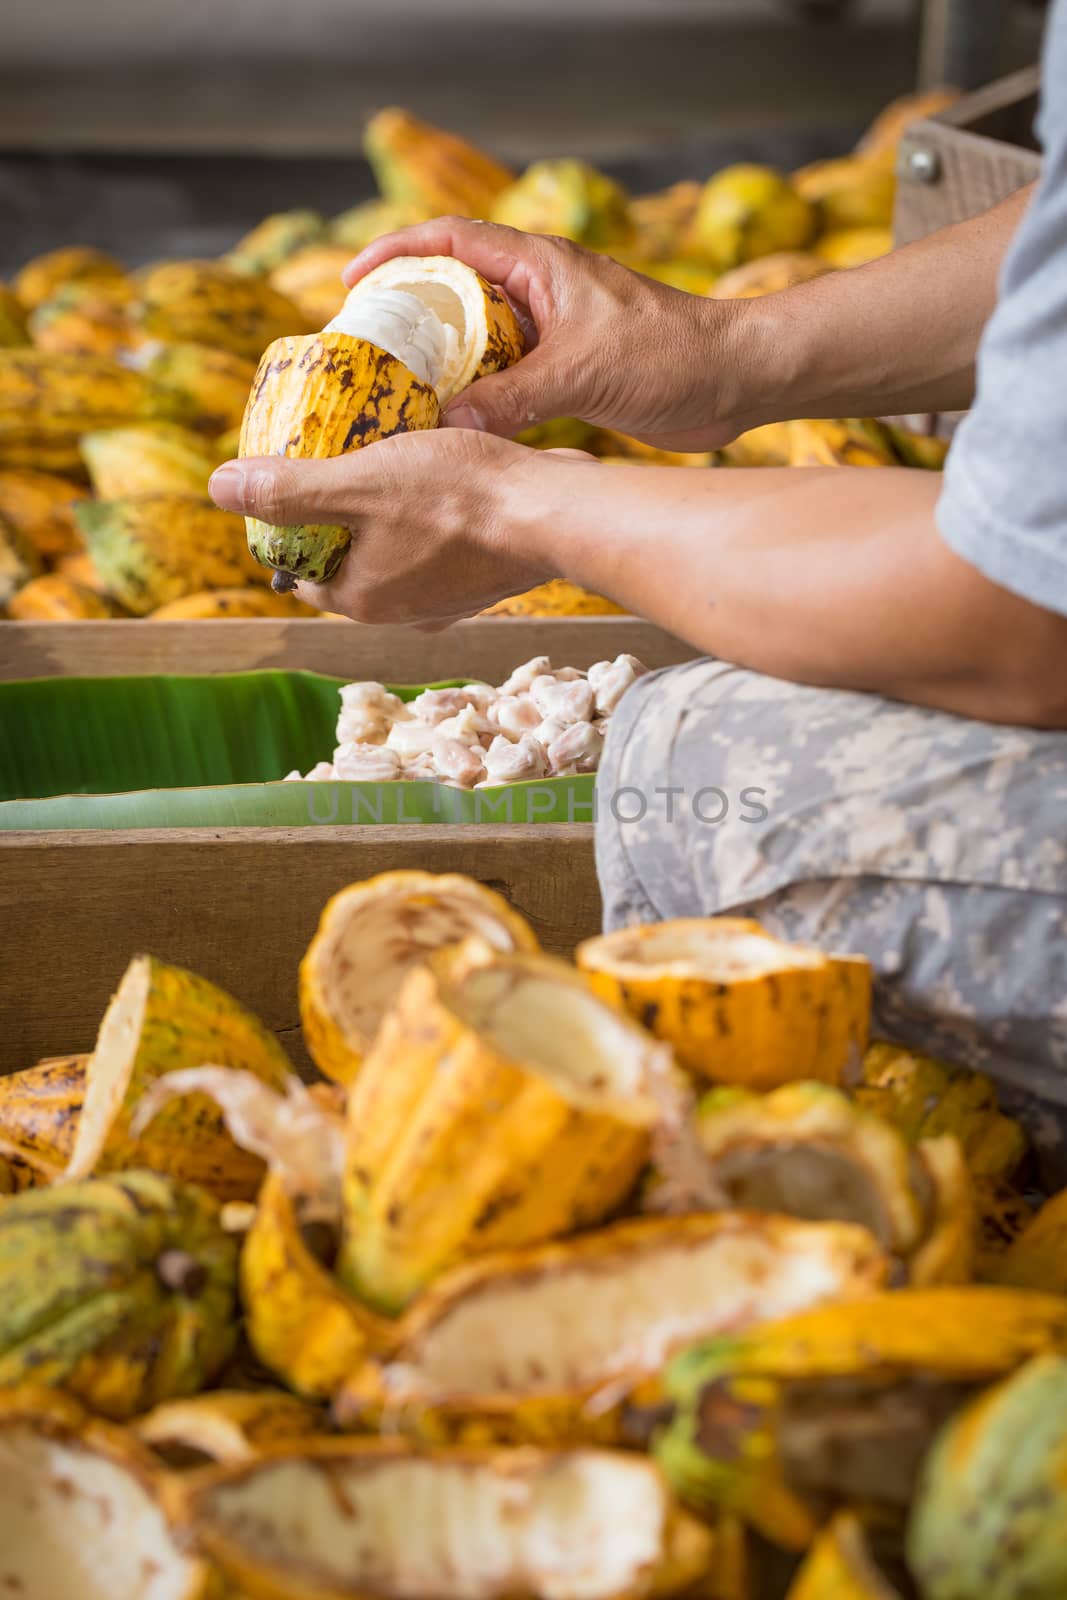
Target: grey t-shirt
(1004,505)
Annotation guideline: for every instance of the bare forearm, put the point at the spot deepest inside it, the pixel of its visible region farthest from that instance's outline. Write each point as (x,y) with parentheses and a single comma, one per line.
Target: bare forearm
(898,335)
(828,576)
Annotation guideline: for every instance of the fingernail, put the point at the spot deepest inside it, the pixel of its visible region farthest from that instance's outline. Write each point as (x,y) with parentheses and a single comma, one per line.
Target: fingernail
(464,416)
(227,486)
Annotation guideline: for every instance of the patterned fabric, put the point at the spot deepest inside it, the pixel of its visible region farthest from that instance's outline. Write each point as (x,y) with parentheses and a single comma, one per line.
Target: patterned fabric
(933,845)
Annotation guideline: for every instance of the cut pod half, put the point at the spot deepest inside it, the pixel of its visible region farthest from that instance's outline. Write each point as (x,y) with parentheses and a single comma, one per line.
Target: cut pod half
(503,1104)
(369,937)
(546,1342)
(438,316)
(81,1511)
(226,1425)
(738,1005)
(842,1566)
(163,1019)
(366,1520)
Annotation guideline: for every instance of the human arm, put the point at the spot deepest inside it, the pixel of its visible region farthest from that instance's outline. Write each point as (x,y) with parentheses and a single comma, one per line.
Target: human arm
(829,576)
(620,350)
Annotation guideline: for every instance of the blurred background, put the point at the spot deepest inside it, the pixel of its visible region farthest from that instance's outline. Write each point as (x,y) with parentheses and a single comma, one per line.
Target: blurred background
(152,128)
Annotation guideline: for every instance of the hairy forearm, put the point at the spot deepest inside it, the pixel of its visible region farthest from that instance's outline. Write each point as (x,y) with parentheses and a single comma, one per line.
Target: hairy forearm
(830,576)
(899,335)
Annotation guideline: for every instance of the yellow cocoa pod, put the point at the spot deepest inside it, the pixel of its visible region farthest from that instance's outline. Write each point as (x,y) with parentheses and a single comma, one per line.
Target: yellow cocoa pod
(568,198)
(205,302)
(214,383)
(40,278)
(226,1425)
(84,1509)
(369,937)
(55,598)
(312,280)
(148,458)
(273,241)
(39,1111)
(1038,1257)
(768,275)
(211,605)
(885,132)
(161,1020)
(853,247)
(842,1566)
(87,319)
(748,211)
(19,561)
(502,1104)
(432,172)
(518,1346)
(848,192)
(13,330)
(737,1005)
(151,549)
(556,598)
(522,1523)
(300,1321)
(41,506)
(362,224)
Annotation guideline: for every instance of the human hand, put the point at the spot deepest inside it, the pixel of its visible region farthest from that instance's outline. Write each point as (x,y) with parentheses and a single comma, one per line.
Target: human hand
(434,533)
(606,344)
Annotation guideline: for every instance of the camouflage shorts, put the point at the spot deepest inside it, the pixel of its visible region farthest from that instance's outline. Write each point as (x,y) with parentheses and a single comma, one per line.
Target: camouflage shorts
(933,845)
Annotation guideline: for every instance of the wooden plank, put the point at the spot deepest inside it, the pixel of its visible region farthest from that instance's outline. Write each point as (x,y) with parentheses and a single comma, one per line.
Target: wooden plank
(238,906)
(485,648)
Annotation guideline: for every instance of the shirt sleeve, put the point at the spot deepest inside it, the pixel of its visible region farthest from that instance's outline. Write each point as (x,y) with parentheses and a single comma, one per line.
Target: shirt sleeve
(1004,503)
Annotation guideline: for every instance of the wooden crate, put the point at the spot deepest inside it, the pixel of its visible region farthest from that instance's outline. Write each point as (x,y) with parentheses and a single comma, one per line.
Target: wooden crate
(484,648)
(237,905)
(976,153)
(240,905)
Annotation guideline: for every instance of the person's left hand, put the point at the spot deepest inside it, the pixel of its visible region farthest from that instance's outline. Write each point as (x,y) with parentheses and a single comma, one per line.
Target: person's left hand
(433,539)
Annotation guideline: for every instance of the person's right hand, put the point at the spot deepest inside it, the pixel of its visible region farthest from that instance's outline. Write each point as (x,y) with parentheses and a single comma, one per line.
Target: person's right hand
(604,344)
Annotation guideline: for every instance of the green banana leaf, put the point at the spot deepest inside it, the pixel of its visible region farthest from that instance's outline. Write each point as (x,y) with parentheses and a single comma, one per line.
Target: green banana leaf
(209,751)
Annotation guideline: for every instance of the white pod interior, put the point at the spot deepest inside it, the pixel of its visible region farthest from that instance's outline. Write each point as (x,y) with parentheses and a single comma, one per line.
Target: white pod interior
(427,311)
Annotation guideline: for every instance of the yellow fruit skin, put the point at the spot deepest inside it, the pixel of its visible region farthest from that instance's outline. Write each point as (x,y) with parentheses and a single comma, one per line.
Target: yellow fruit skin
(213,605)
(185,1022)
(570,199)
(358,227)
(925,1098)
(556,598)
(39,1110)
(20,562)
(429,170)
(273,241)
(948,1253)
(444,1165)
(684,1564)
(121,1290)
(337,1051)
(323,395)
(595,1412)
(204,302)
(845,442)
(1038,1258)
(228,1424)
(312,280)
(758,1032)
(69,1427)
(885,132)
(299,1320)
(919,449)
(848,193)
(839,1566)
(148,458)
(13,330)
(853,247)
(151,549)
(41,277)
(215,383)
(768,446)
(78,567)
(41,508)
(661,222)
(86,319)
(748,211)
(47,401)
(768,275)
(54,598)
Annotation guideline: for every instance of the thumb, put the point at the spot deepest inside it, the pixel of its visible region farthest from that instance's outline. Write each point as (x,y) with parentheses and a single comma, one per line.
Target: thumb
(281,491)
(534,390)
